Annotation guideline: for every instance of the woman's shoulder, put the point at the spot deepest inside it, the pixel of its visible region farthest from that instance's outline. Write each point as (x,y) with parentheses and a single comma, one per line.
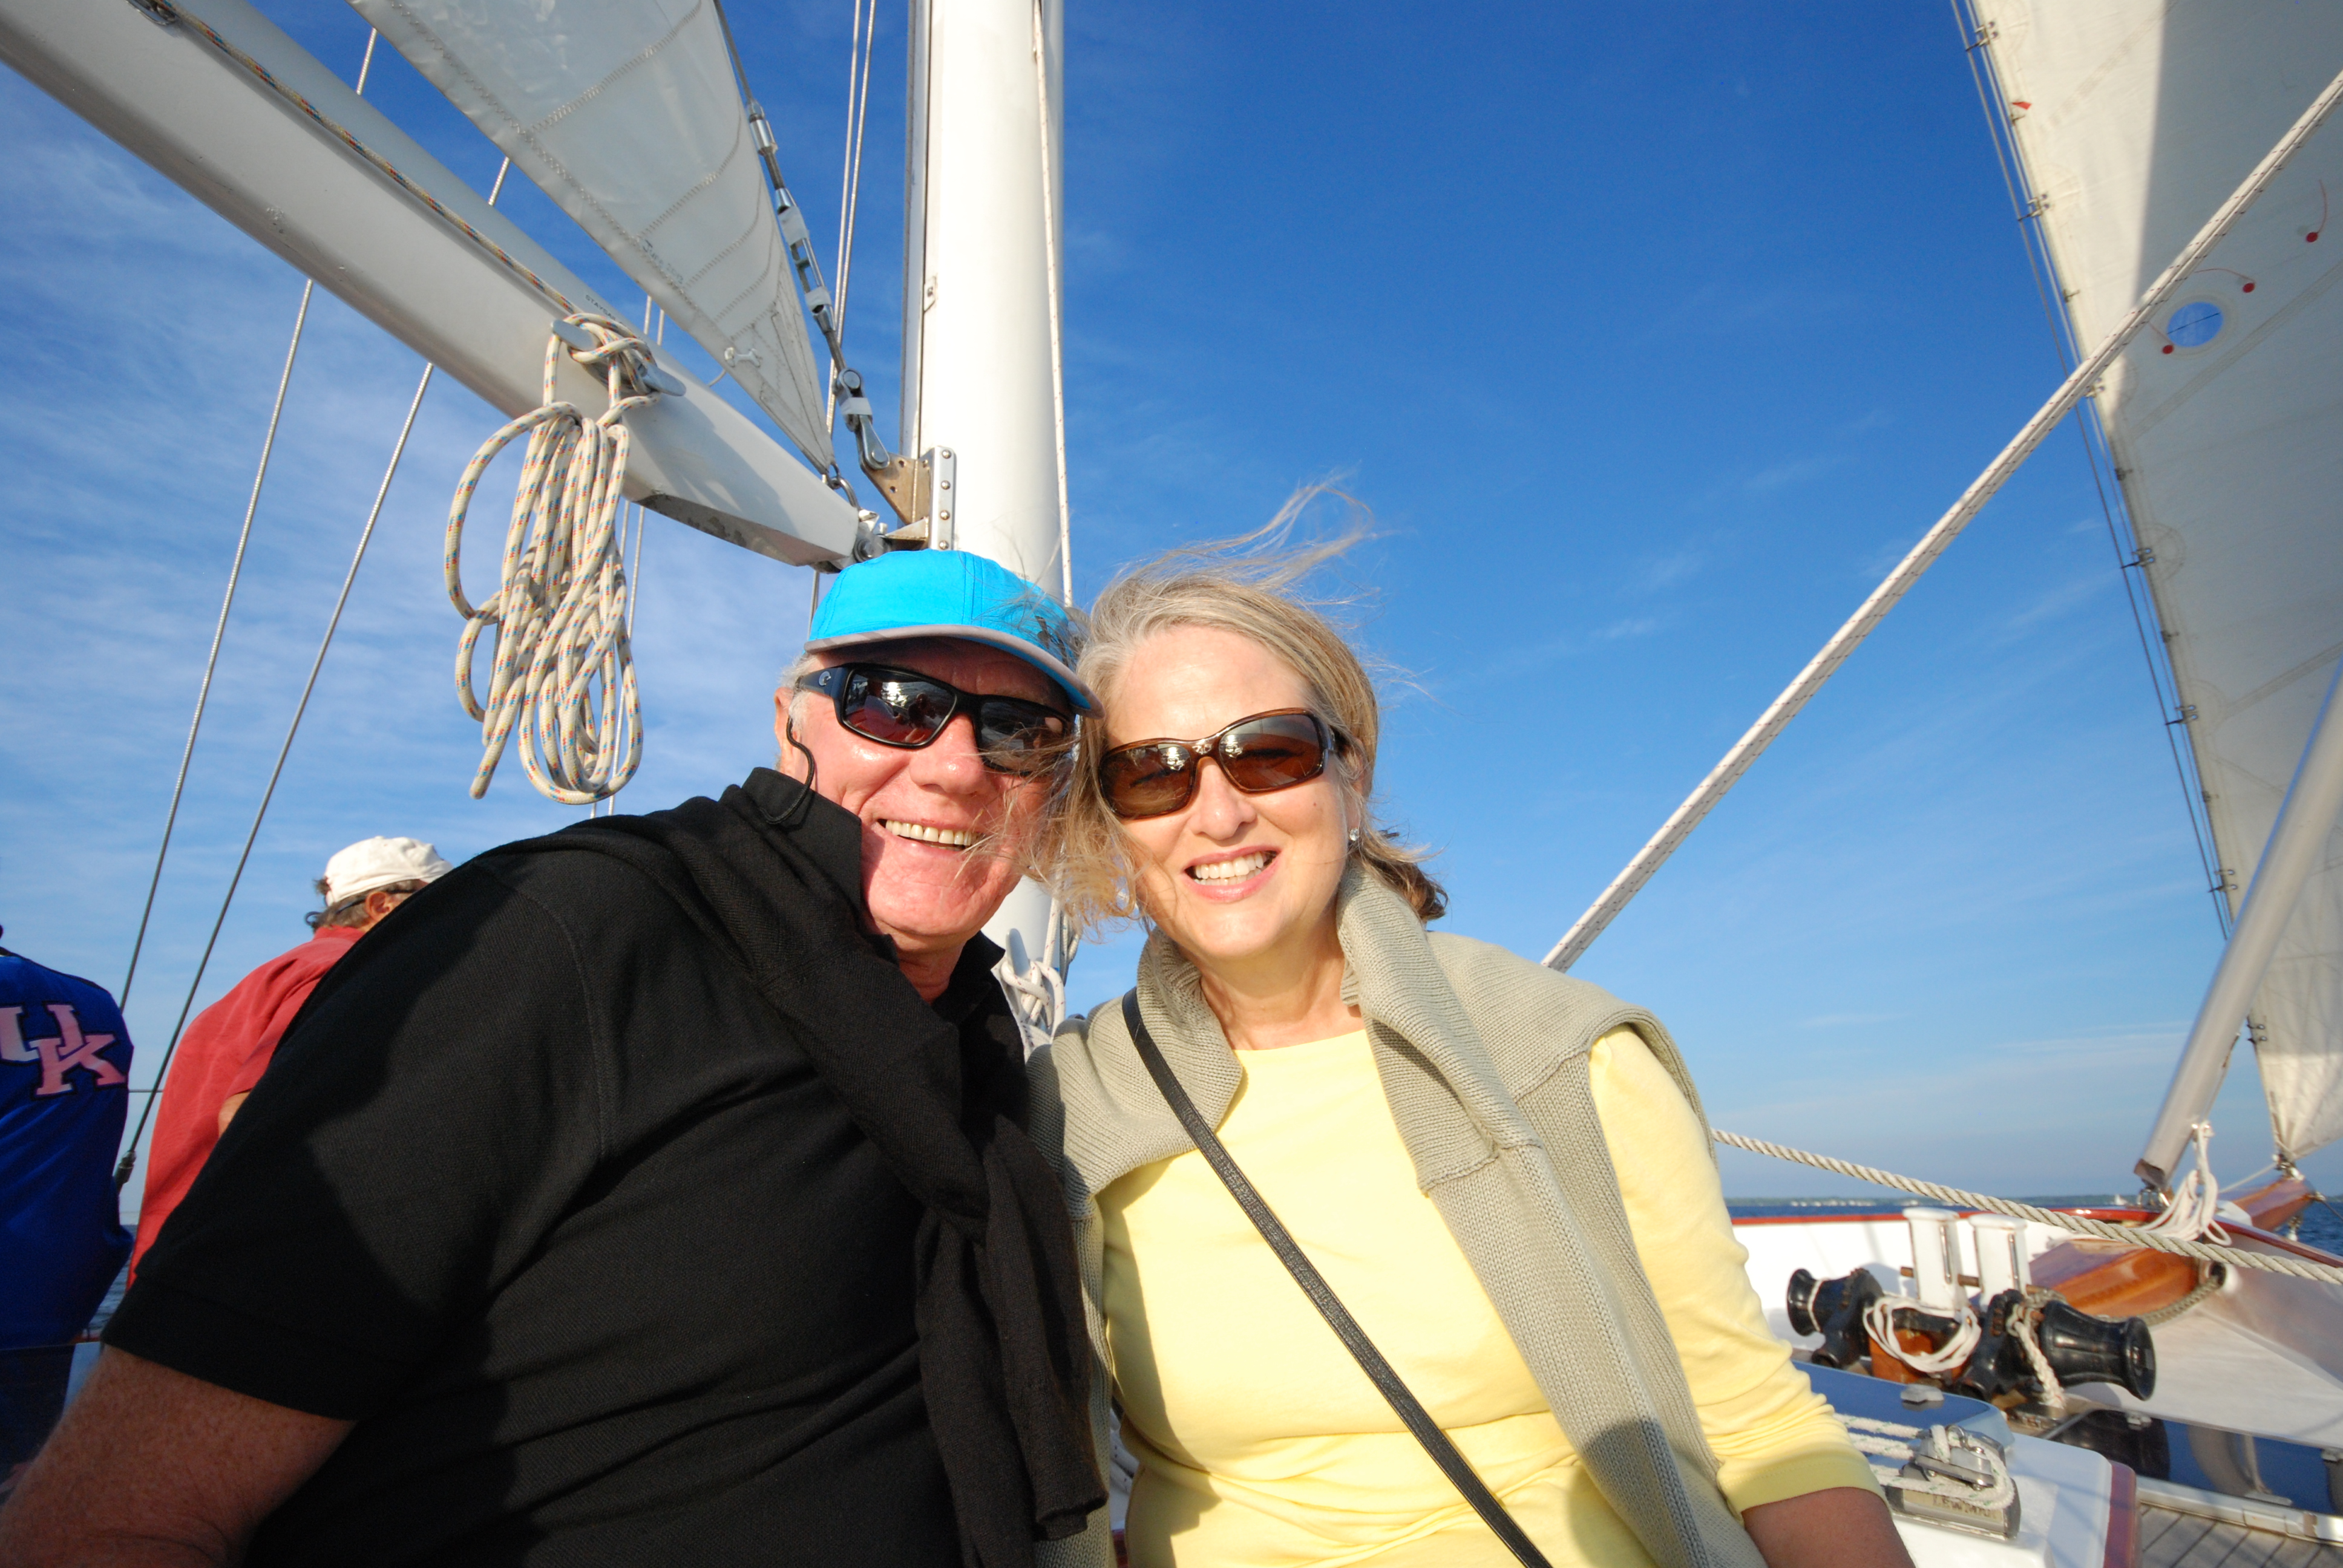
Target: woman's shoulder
(1531,1019)
(1094,1112)
(1496,980)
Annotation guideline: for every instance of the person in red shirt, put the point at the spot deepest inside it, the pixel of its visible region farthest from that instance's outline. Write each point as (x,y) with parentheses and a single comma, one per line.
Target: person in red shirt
(228,1047)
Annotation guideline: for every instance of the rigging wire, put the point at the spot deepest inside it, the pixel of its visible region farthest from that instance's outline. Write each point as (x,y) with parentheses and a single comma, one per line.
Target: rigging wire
(850,201)
(219,633)
(1050,241)
(129,1162)
(2043,266)
(333,622)
(1044,981)
(235,574)
(252,835)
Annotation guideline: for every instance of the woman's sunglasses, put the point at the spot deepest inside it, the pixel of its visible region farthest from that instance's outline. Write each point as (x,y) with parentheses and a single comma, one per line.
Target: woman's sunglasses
(1267,751)
(904,709)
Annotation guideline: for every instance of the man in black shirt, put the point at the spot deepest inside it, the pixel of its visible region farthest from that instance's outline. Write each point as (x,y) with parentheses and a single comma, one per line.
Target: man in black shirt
(653,1193)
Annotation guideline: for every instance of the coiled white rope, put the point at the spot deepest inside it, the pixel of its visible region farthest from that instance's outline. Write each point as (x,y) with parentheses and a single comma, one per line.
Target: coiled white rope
(2077,1224)
(1879,1322)
(564,672)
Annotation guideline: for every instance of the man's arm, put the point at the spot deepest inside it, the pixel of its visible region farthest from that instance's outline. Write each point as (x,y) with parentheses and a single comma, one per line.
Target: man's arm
(1838,1527)
(151,1468)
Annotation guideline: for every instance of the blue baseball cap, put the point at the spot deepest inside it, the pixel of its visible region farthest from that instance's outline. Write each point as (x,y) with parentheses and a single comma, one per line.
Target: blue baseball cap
(949,593)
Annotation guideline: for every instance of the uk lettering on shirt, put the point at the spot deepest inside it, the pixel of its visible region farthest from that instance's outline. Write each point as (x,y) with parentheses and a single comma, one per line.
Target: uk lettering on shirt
(68,1058)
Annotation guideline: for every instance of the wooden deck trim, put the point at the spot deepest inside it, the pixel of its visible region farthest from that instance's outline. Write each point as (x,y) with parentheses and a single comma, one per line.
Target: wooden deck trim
(2123,1516)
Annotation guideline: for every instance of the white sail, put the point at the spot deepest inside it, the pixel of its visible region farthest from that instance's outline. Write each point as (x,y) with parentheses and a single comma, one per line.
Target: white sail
(2133,119)
(626,112)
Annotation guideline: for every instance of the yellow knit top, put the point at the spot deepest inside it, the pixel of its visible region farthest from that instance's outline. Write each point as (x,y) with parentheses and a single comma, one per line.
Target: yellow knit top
(1261,1443)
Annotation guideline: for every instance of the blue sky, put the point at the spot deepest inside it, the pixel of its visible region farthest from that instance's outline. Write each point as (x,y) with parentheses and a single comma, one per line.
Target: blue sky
(1650,337)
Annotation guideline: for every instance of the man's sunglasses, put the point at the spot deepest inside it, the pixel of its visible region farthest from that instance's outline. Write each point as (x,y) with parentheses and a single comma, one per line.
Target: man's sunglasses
(902,707)
(1267,751)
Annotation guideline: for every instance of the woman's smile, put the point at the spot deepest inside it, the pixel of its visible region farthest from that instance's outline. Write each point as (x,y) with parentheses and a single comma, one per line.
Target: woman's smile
(1232,876)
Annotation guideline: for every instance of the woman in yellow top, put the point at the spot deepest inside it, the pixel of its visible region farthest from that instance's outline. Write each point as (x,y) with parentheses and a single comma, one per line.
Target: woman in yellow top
(1503,1172)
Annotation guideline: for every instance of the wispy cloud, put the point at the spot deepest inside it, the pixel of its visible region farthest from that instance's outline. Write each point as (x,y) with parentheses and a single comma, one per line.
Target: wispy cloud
(1674,567)
(1796,470)
(1635,626)
(2057,601)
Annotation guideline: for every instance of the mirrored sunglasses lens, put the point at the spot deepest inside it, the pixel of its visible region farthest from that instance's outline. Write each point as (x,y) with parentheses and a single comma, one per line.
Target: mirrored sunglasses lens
(1273,753)
(1149,780)
(1017,736)
(896,712)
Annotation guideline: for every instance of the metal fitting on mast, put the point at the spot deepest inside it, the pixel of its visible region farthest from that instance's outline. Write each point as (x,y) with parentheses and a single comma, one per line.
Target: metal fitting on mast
(898,478)
(794,233)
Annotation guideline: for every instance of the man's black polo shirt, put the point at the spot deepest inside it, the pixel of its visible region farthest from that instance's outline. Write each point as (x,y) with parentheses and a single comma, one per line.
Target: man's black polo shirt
(540,1194)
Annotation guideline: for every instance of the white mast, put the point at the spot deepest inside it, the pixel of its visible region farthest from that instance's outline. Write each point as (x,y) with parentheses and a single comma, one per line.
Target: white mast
(980,244)
(981,300)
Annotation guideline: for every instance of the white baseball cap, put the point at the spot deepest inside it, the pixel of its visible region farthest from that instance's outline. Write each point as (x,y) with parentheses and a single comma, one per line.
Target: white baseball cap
(372,863)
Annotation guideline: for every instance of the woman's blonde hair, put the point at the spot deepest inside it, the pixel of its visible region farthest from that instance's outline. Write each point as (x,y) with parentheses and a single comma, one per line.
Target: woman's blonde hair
(1244,586)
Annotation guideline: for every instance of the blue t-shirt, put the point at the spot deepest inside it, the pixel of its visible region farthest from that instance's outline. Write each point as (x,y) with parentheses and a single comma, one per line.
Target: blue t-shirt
(65,1071)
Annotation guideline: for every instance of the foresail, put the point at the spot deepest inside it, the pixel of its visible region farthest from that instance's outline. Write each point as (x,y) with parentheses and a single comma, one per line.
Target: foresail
(627,114)
(2135,118)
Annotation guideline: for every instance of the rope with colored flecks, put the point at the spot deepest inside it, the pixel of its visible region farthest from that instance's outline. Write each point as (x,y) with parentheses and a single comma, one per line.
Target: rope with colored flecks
(564,672)
(2077,1224)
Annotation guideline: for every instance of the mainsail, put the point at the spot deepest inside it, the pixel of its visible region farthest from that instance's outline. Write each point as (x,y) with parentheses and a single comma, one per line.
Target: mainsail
(2132,119)
(626,113)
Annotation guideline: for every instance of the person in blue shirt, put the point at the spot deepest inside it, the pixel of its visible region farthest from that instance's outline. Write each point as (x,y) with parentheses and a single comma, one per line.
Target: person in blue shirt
(64,1072)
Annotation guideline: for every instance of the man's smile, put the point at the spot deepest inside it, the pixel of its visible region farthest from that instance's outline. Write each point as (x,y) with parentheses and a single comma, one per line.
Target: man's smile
(927,833)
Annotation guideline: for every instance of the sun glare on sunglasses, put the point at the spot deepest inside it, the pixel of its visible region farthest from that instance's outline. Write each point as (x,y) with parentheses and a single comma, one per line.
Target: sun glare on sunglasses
(1264,752)
(906,710)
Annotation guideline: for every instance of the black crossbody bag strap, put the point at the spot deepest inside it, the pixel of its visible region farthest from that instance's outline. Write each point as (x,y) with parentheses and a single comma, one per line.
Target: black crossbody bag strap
(1321,1295)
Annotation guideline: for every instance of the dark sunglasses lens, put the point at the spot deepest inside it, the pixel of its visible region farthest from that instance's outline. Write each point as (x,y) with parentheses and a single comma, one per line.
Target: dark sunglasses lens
(894,711)
(1147,780)
(1018,737)
(1273,753)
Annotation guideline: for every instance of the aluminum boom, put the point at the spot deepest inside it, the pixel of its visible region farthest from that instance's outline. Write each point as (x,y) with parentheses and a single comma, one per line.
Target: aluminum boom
(2297,844)
(1874,610)
(177,95)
